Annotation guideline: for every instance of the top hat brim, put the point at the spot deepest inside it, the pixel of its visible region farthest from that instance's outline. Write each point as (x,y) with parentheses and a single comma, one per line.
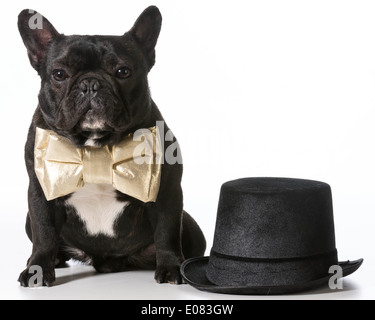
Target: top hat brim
(194,273)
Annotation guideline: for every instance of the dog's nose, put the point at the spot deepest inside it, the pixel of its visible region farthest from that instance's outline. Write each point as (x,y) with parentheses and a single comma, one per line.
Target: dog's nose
(89,86)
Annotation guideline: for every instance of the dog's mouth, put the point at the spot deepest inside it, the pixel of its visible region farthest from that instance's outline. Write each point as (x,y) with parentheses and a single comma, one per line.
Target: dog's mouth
(95,131)
(95,138)
(95,135)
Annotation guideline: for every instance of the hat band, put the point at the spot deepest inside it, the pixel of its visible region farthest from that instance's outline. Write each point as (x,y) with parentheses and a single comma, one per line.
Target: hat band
(226,270)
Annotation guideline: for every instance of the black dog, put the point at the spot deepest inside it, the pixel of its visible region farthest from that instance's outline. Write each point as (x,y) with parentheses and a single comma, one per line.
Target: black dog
(95,92)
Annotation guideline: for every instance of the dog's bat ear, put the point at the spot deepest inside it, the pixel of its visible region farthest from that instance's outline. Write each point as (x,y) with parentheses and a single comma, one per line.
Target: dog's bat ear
(37,33)
(146,32)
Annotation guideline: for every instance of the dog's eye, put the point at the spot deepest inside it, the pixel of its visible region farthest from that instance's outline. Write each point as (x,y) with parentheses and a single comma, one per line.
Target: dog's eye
(123,73)
(60,75)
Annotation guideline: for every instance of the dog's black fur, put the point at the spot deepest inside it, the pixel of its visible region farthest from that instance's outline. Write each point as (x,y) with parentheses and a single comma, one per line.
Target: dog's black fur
(86,80)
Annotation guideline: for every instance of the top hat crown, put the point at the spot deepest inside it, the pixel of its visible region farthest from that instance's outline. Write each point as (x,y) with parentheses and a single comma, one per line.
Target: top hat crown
(272,235)
(275,218)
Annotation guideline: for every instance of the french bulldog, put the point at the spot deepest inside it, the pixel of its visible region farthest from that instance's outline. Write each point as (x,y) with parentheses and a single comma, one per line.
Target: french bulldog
(94,92)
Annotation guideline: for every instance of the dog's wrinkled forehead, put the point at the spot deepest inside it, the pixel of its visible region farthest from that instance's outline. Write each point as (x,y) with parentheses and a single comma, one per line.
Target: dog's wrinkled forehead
(83,54)
(91,52)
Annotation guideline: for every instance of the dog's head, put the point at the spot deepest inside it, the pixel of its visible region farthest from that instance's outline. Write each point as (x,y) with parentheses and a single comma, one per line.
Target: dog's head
(94,88)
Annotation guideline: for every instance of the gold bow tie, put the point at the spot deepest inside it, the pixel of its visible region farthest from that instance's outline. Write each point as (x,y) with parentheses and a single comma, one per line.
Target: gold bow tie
(132,167)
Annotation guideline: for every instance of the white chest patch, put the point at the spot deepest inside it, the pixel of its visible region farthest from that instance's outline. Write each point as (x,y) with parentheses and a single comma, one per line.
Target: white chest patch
(97,207)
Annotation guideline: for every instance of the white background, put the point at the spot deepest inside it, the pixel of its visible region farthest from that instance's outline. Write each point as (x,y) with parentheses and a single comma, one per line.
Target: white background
(250,88)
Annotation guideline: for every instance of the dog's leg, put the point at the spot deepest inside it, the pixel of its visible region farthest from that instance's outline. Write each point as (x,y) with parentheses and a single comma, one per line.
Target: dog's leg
(41,227)
(166,217)
(62,256)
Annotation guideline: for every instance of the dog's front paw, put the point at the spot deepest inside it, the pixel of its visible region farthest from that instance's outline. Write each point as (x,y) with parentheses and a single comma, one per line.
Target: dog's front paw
(36,276)
(170,274)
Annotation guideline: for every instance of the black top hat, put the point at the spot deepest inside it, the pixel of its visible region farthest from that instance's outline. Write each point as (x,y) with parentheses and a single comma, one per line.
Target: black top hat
(272,236)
